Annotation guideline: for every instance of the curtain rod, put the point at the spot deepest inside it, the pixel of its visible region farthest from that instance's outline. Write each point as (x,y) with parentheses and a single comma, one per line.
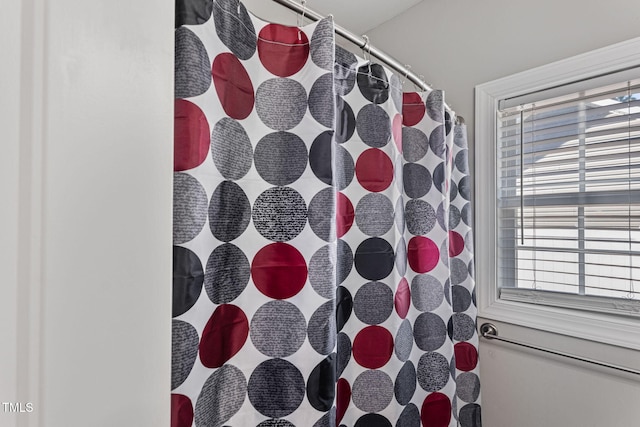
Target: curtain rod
(490,332)
(362,43)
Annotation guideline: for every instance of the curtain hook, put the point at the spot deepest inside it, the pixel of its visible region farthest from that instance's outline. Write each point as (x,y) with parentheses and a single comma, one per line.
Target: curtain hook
(239,7)
(420,89)
(366,53)
(303,3)
(407,67)
(366,49)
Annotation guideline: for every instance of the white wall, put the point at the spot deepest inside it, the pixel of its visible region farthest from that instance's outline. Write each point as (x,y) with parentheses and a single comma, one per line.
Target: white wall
(457,45)
(85,215)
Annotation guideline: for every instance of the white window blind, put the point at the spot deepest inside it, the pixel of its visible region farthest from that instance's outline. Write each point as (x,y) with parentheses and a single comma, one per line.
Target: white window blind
(568,197)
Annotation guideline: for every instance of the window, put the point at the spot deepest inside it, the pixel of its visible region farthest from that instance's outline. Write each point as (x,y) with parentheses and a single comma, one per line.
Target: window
(558,196)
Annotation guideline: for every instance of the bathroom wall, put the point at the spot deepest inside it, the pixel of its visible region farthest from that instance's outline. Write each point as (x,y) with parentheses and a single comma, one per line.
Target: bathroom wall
(86,114)
(85,218)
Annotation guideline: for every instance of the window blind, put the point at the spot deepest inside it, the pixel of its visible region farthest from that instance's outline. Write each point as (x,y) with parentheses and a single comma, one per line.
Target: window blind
(568,208)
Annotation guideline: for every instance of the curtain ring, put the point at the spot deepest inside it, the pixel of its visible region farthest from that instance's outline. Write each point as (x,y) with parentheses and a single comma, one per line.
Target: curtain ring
(407,67)
(303,3)
(366,53)
(366,49)
(301,18)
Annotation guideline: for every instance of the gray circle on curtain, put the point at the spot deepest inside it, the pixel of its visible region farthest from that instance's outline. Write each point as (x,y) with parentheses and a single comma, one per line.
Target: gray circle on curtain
(420,216)
(281,158)
(279,214)
(343,353)
(454,217)
(373,303)
(281,103)
(321,44)
(184,350)
(460,136)
(410,416)
(189,207)
(276,388)
(322,101)
(462,161)
(470,415)
(322,214)
(229,211)
(427,293)
(461,327)
(458,271)
(466,214)
(404,341)
(437,142)
(344,71)
(344,168)
(221,397)
(193,12)
(278,329)
(417,180)
(468,387)
(373,126)
(372,391)
(415,144)
(374,214)
(373,83)
(235,28)
(322,272)
(405,385)
(433,371)
(192,67)
(231,149)
(227,273)
(429,331)
(275,423)
(435,105)
(328,419)
(322,328)
(461,298)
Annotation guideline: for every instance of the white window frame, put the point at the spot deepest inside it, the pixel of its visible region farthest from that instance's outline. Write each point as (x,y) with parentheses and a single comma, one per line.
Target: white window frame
(579,320)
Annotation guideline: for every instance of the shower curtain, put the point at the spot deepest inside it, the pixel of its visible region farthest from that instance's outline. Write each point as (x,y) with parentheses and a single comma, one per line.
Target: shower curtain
(323,258)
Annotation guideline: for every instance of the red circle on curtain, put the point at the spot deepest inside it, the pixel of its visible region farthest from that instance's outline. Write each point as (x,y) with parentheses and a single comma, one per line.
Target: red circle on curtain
(191,135)
(283,50)
(345,214)
(436,411)
(466,356)
(223,336)
(343,397)
(233,86)
(413,108)
(423,254)
(403,298)
(181,411)
(279,271)
(372,347)
(374,170)
(456,244)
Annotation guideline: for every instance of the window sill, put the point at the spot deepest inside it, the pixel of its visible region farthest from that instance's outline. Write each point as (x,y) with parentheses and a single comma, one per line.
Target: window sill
(599,327)
(588,303)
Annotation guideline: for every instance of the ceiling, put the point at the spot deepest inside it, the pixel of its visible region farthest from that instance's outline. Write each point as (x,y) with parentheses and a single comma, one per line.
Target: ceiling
(357,16)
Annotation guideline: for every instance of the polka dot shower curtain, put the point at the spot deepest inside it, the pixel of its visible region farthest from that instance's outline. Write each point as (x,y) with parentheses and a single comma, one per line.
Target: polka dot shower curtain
(323,259)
